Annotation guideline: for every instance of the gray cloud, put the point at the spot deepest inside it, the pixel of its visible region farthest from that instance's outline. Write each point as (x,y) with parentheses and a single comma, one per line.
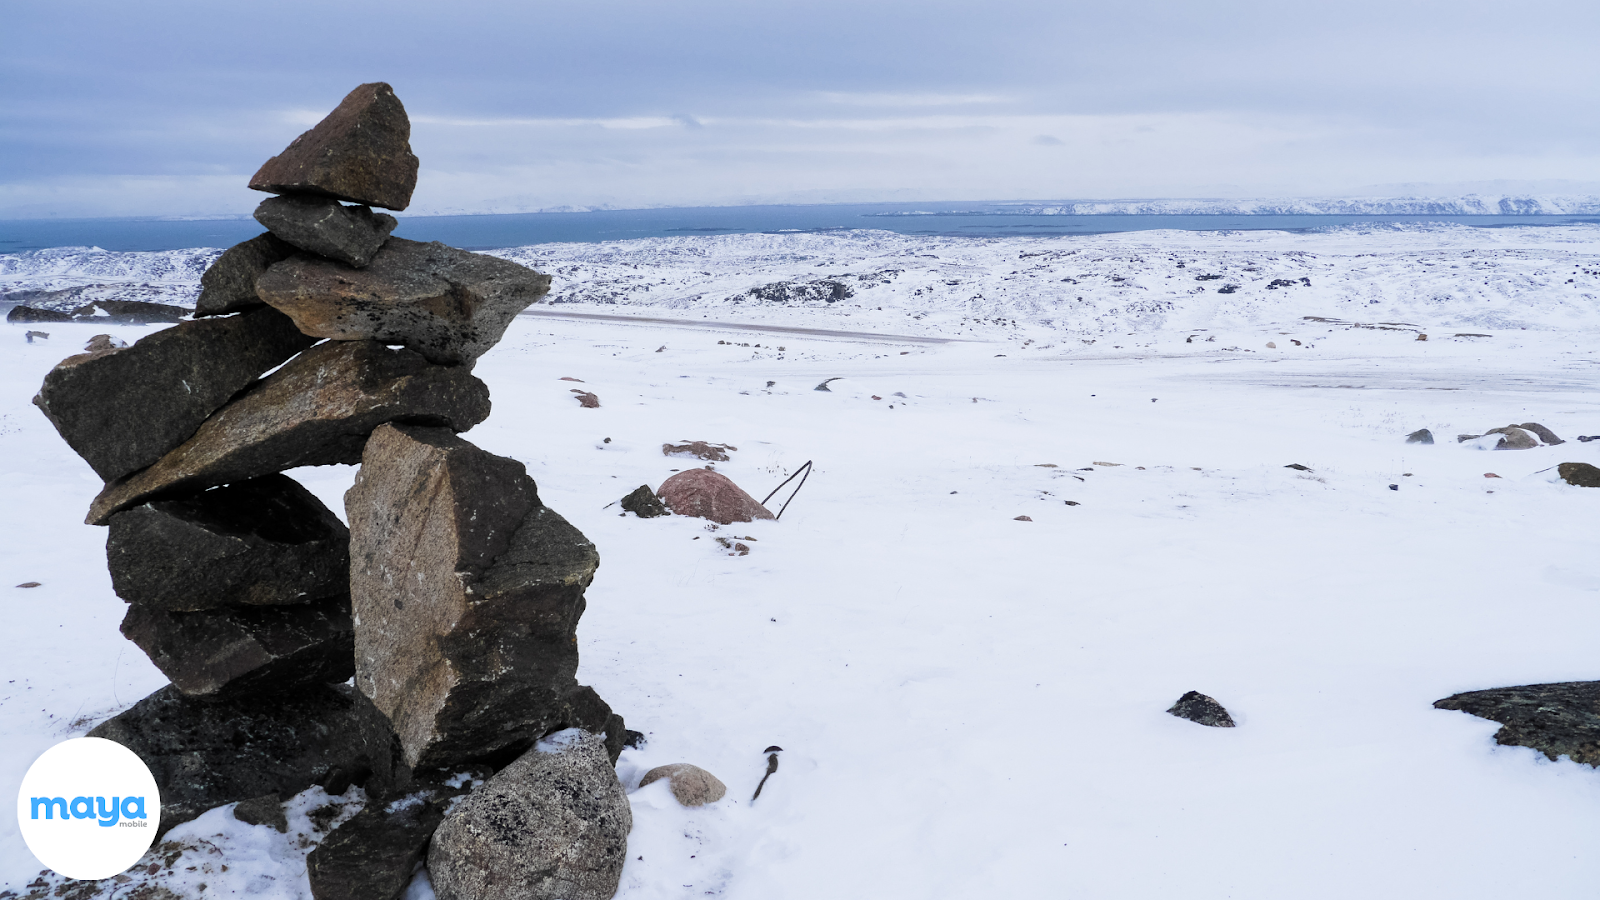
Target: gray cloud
(166,108)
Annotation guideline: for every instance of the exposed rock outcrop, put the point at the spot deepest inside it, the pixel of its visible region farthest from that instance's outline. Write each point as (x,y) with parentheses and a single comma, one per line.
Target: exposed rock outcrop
(1561,719)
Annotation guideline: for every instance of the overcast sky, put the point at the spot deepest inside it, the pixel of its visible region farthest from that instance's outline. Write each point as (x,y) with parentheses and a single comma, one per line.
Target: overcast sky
(167,108)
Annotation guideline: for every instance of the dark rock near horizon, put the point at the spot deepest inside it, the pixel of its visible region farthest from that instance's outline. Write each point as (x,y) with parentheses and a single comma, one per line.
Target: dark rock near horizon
(361,153)
(263,542)
(317,410)
(1420,436)
(27,315)
(1513,438)
(263,649)
(553,825)
(229,284)
(710,495)
(1561,719)
(644,503)
(130,312)
(326,227)
(208,752)
(123,409)
(1197,707)
(1579,474)
(373,855)
(467,592)
(447,304)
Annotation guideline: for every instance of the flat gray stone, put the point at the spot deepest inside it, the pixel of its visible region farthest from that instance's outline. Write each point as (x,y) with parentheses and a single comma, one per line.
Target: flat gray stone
(315,411)
(263,542)
(237,651)
(326,227)
(447,304)
(124,409)
(551,826)
(229,284)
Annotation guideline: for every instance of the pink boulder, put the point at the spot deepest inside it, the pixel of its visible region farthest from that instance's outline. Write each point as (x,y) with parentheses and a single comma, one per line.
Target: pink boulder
(710,495)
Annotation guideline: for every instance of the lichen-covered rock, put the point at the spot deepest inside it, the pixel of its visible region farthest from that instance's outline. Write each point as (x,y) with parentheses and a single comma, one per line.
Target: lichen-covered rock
(123,409)
(1197,707)
(326,227)
(229,284)
(237,651)
(447,304)
(361,152)
(263,542)
(1561,719)
(691,785)
(317,410)
(551,826)
(208,752)
(467,592)
(710,495)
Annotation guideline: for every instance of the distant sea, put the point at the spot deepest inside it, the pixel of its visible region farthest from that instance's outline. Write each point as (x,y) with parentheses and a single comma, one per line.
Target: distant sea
(485,232)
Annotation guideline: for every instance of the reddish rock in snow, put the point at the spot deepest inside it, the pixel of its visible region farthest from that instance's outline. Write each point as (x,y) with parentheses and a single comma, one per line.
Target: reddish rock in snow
(710,495)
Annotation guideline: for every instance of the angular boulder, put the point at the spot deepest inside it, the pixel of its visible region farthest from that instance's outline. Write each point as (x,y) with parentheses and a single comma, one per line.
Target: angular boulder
(315,411)
(1199,708)
(690,785)
(1561,719)
(644,503)
(360,153)
(348,234)
(208,752)
(710,495)
(229,284)
(447,304)
(373,855)
(466,592)
(551,826)
(238,651)
(123,409)
(263,542)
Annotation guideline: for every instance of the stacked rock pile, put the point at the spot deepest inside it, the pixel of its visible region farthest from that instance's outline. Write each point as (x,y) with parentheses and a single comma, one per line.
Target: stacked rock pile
(452,597)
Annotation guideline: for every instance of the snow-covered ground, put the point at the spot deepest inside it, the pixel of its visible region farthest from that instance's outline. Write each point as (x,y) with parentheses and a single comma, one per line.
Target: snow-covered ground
(972,705)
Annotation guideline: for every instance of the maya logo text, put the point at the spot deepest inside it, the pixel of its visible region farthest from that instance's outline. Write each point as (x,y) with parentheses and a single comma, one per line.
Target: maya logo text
(97,808)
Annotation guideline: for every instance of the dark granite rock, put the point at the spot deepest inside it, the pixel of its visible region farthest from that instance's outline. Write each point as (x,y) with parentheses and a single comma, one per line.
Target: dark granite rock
(263,542)
(129,312)
(262,650)
(122,410)
(553,824)
(1579,474)
(1420,436)
(348,234)
(1544,434)
(266,809)
(1197,707)
(466,592)
(229,285)
(447,304)
(644,503)
(360,153)
(27,315)
(317,410)
(373,855)
(710,495)
(208,752)
(1558,720)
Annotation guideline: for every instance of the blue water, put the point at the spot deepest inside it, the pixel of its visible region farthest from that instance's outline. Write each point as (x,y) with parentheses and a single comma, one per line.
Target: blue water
(515,230)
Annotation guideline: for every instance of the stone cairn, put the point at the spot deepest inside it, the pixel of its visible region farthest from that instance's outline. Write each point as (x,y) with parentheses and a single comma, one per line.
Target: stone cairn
(451,599)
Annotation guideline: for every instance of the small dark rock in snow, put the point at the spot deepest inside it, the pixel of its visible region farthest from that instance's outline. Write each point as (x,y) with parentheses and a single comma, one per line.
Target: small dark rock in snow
(28,584)
(1543,433)
(586,399)
(1023,519)
(1394,487)
(266,809)
(1197,707)
(1556,719)
(824,386)
(710,495)
(553,824)
(691,785)
(1297,467)
(1420,436)
(349,234)
(644,503)
(1579,474)
(1586,438)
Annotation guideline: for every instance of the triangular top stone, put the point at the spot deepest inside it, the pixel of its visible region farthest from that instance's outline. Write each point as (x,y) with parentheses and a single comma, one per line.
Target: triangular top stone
(361,153)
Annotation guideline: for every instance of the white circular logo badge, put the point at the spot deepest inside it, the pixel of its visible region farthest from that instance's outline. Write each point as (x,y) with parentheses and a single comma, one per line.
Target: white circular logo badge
(89,808)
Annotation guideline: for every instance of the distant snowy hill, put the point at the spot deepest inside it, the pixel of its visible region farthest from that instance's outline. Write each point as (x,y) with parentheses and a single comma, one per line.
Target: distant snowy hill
(1469,205)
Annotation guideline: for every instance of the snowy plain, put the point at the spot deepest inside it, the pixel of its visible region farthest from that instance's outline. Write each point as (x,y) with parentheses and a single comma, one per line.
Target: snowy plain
(969,704)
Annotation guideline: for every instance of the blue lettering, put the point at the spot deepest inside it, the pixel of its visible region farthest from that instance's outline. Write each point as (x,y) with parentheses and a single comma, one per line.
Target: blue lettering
(137,812)
(88,808)
(49,803)
(108,817)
